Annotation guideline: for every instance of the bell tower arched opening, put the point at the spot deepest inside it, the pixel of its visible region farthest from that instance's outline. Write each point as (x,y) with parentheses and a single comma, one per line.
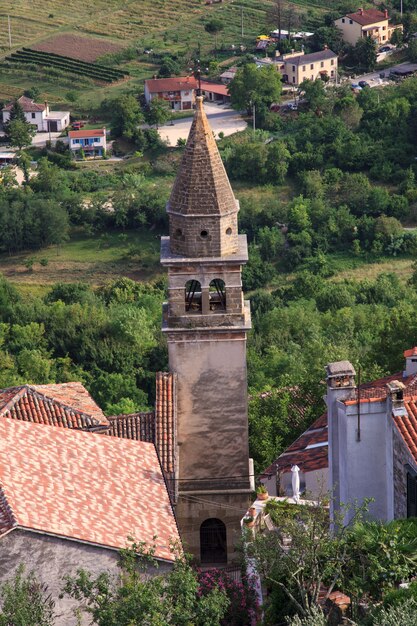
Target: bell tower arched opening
(213,541)
(217,295)
(193,300)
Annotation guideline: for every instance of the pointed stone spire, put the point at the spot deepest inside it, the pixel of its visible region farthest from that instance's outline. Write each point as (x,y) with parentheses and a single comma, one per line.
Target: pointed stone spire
(202,208)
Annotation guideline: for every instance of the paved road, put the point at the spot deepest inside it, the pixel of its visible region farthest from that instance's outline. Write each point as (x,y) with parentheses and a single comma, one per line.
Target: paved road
(221,118)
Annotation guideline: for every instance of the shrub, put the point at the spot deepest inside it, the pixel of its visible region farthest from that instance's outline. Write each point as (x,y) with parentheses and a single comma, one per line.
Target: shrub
(242,596)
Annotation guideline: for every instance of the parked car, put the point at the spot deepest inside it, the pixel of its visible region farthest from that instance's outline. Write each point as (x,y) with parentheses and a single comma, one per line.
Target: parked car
(77,125)
(385,49)
(362,84)
(356,88)
(292,106)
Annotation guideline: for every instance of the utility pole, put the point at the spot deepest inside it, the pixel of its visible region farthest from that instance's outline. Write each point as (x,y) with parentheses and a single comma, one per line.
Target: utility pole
(241,22)
(10,32)
(254,117)
(401,8)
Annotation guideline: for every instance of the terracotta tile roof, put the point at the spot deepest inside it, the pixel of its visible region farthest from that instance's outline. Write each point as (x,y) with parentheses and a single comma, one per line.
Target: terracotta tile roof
(137,426)
(98,132)
(165,420)
(309,451)
(305,59)
(157,427)
(68,405)
(221,90)
(159,85)
(28,105)
(407,425)
(367,16)
(411,352)
(82,486)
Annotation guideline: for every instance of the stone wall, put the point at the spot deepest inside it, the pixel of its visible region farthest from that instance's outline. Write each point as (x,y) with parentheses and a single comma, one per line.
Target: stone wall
(51,559)
(401,457)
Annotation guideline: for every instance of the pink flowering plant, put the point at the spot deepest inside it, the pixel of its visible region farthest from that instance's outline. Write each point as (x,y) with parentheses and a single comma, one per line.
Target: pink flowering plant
(243,607)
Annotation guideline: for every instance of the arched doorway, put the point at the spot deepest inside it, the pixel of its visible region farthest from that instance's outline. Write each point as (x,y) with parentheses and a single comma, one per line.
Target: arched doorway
(213,541)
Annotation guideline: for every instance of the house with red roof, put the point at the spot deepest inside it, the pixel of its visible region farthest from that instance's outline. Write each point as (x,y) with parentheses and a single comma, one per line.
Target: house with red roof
(39,115)
(92,142)
(367,23)
(178,91)
(74,484)
(364,446)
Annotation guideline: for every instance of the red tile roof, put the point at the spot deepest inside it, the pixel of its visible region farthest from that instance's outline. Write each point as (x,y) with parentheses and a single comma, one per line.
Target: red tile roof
(407,425)
(98,132)
(159,85)
(137,426)
(221,90)
(68,405)
(367,16)
(82,486)
(300,453)
(411,352)
(28,105)
(157,427)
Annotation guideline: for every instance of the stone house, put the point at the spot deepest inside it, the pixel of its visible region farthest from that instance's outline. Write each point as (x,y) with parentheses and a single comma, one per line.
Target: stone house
(39,115)
(364,446)
(297,66)
(70,497)
(366,23)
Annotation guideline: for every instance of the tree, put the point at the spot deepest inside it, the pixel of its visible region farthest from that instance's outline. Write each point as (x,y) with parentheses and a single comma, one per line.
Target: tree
(255,86)
(33,93)
(16,112)
(158,112)
(19,133)
(25,602)
(364,54)
(214,27)
(397,37)
(126,117)
(313,93)
(134,598)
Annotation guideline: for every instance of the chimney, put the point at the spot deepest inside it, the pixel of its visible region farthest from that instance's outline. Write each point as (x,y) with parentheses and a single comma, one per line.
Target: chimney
(326,47)
(396,396)
(386,14)
(340,386)
(46,107)
(360,11)
(410,362)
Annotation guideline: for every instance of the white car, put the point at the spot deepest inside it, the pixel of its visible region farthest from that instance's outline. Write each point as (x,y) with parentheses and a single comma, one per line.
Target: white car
(292,106)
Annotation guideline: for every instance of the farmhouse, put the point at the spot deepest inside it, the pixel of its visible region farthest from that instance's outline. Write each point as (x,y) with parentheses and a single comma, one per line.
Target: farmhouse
(39,115)
(364,446)
(366,23)
(179,92)
(92,142)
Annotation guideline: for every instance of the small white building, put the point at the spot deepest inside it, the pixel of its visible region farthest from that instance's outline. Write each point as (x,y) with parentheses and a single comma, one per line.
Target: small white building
(178,91)
(93,142)
(39,115)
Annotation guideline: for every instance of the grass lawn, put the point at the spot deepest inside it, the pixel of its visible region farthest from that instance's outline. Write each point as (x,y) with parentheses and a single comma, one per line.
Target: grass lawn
(361,268)
(94,259)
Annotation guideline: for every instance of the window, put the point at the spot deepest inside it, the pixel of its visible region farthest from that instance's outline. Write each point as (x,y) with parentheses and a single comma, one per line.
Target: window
(217,295)
(304,68)
(312,66)
(293,79)
(178,233)
(193,297)
(213,541)
(33,116)
(350,21)
(343,20)
(76,141)
(383,28)
(228,231)
(322,64)
(293,68)
(332,62)
(204,234)
(332,73)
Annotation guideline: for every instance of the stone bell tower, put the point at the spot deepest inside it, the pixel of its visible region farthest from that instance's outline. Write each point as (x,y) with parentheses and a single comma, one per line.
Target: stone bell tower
(206,321)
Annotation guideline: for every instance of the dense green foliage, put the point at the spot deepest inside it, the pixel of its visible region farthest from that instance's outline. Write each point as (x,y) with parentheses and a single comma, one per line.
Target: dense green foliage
(25,602)
(174,598)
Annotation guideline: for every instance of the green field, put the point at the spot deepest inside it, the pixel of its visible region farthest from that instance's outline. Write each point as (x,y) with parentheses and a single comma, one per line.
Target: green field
(95,259)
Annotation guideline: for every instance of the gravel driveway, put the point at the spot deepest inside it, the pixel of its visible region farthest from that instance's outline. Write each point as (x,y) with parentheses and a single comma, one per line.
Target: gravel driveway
(221,118)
